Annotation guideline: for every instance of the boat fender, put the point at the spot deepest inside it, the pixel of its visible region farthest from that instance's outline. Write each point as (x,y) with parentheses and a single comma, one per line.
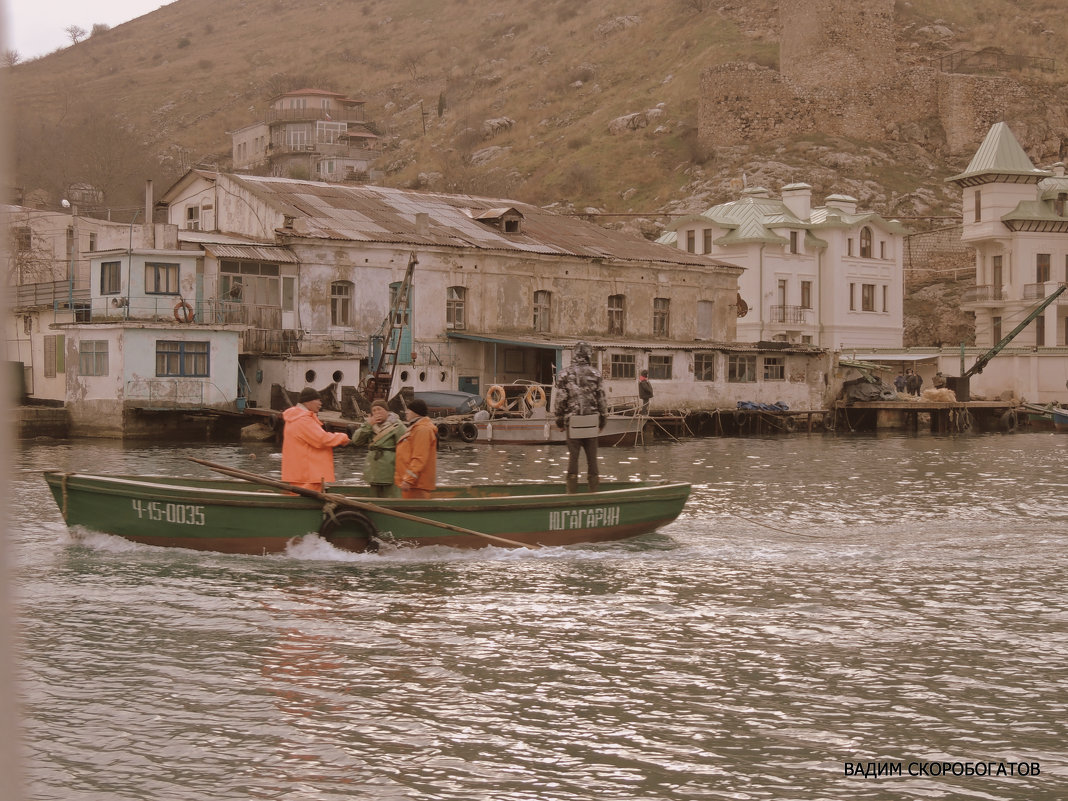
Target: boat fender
(349,530)
(790,424)
(495,398)
(444,432)
(183,312)
(535,397)
(1008,421)
(468,431)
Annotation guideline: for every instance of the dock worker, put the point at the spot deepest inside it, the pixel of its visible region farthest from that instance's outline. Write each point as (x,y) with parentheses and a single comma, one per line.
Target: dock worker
(308,448)
(380,433)
(581,410)
(645,390)
(417,453)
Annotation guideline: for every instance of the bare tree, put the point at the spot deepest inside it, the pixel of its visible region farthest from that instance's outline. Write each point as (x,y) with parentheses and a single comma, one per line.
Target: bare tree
(10,58)
(76,33)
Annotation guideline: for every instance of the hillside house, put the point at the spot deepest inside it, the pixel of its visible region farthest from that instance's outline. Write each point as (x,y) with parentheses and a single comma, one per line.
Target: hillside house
(501,292)
(826,276)
(306,133)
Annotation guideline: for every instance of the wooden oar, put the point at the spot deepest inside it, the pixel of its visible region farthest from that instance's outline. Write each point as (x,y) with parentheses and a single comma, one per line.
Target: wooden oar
(342,500)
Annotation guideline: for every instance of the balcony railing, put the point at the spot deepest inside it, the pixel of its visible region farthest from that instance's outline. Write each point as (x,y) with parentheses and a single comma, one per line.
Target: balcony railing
(984,293)
(1040,291)
(301,114)
(48,293)
(789,314)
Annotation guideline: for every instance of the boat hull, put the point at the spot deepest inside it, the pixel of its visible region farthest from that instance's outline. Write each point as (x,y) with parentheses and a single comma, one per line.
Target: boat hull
(238,517)
(622,430)
(1060,419)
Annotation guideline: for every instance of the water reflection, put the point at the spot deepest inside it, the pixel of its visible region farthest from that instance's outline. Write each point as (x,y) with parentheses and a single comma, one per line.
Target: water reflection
(820,601)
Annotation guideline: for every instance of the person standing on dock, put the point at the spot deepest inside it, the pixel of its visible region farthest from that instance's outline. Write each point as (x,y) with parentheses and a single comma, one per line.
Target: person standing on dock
(380,434)
(914,382)
(581,409)
(900,382)
(645,390)
(308,448)
(417,454)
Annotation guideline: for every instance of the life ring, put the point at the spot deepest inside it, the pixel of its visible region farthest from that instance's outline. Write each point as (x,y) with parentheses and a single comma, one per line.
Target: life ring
(349,530)
(496,398)
(183,312)
(468,432)
(535,397)
(444,432)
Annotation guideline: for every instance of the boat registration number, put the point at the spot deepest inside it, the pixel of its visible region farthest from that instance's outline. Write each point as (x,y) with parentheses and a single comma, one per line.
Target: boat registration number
(592,517)
(184,514)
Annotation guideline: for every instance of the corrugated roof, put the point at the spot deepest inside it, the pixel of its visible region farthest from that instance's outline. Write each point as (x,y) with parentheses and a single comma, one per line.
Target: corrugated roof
(384,214)
(252,252)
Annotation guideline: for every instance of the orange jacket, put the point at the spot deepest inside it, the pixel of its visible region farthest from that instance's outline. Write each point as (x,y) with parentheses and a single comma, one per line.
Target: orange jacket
(307,448)
(417,456)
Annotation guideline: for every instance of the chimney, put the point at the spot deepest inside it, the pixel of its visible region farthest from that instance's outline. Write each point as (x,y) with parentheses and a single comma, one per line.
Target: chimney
(844,203)
(1058,169)
(798,199)
(422,223)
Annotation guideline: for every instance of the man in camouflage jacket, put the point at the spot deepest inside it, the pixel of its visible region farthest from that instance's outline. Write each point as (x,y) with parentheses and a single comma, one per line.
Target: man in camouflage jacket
(578,390)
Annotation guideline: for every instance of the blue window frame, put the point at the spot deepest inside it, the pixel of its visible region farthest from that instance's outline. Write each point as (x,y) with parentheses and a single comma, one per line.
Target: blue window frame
(186,359)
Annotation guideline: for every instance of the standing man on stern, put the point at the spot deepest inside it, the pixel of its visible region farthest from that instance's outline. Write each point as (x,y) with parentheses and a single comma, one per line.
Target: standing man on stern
(581,409)
(307,448)
(417,454)
(645,390)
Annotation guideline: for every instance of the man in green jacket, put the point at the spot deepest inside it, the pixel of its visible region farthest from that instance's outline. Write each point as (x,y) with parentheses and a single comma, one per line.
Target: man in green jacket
(380,433)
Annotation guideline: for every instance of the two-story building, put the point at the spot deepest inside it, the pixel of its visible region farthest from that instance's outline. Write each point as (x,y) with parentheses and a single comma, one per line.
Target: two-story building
(306,133)
(829,276)
(501,292)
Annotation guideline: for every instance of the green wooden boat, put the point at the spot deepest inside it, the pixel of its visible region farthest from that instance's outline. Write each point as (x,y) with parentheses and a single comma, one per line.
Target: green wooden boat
(238,517)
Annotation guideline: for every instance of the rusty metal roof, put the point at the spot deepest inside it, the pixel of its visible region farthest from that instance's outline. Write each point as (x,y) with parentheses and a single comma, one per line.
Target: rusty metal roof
(253,252)
(387,215)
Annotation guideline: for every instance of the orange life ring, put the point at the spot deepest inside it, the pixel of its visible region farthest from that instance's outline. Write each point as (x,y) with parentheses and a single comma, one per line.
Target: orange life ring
(183,312)
(496,398)
(535,396)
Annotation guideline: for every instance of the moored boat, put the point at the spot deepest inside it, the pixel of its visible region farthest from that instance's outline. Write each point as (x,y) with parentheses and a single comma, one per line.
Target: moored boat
(1060,418)
(239,517)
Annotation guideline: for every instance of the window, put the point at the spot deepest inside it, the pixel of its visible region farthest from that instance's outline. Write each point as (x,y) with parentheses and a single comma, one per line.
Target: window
(53,355)
(806,339)
(660,367)
(661,317)
(704,367)
(741,369)
(793,241)
(849,246)
(865,242)
(708,240)
(93,357)
(852,297)
(882,249)
(251,282)
(615,314)
(691,241)
(782,291)
(622,365)
(329,131)
(110,281)
(1040,331)
(997,278)
(996,327)
(189,359)
(289,293)
(886,293)
(23,238)
(192,218)
(867,297)
(543,304)
(806,294)
(341,303)
(92,240)
(1042,268)
(704,319)
(774,368)
(161,279)
(978,206)
(454,307)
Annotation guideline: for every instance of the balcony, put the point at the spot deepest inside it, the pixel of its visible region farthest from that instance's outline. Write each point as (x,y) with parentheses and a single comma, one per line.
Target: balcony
(1042,291)
(49,293)
(303,114)
(988,293)
(789,314)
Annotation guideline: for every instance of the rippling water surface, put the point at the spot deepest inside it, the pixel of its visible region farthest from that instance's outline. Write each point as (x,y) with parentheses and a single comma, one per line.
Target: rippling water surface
(820,602)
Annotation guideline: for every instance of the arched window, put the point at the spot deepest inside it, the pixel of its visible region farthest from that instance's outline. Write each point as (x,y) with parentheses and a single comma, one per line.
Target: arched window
(341,303)
(865,242)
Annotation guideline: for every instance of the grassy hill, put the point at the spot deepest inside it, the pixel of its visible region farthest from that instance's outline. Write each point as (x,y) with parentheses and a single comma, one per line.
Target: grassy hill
(157,95)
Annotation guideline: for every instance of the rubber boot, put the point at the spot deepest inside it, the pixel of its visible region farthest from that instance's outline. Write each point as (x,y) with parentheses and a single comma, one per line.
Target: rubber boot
(572,484)
(594,482)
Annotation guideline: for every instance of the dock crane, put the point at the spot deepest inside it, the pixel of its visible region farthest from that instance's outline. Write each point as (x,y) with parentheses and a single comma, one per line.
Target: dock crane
(962,384)
(384,363)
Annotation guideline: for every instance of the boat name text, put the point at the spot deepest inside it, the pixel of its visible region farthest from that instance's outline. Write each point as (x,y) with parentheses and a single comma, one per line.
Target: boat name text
(590,517)
(185,514)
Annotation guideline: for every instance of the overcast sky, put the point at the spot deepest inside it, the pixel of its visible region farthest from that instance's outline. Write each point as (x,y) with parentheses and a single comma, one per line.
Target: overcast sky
(37,27)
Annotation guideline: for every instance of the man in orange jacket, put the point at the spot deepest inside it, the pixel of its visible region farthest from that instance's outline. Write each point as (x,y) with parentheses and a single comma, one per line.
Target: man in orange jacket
(307,448)
(417,454)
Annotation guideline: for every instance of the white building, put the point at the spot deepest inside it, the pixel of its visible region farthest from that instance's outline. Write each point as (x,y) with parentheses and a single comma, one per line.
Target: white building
(827,276)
